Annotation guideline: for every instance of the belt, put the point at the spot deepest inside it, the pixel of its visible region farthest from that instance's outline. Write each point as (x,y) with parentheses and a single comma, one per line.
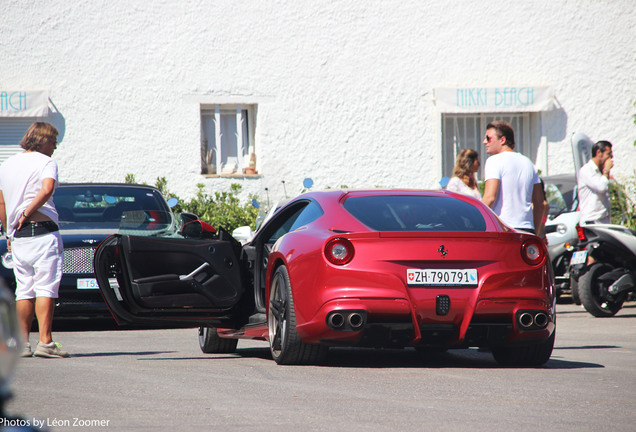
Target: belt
(32,229)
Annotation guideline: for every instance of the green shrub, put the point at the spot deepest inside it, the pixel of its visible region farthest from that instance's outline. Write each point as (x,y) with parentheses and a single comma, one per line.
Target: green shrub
(221,210)
(224,209)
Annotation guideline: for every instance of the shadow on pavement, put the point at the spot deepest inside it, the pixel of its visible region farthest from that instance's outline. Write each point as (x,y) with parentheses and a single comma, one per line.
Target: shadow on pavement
(406,358)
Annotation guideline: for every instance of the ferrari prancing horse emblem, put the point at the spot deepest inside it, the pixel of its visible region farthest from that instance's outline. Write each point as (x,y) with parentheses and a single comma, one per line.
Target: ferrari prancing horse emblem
(442,250)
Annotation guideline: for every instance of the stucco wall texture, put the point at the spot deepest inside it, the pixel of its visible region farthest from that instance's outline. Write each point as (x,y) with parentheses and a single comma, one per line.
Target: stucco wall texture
(344,89)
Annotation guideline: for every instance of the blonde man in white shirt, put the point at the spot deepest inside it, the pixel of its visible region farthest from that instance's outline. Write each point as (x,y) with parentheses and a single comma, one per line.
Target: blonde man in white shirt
(28,214)
(593,185)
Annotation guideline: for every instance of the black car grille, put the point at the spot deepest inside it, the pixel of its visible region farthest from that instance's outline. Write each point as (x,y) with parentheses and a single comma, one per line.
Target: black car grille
(78,260)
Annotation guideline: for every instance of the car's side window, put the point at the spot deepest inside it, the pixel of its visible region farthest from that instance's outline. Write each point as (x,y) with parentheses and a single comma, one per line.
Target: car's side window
(302,216)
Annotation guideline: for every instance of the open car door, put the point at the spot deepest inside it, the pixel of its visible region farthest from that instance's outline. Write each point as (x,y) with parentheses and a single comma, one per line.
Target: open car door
(170,281)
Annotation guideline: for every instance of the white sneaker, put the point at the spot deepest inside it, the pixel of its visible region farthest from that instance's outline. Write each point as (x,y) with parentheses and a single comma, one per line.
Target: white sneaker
(26,352)
(51,350)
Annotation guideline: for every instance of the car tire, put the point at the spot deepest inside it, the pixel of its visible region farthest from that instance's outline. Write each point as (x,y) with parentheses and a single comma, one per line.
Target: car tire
(285,345)
(531,355)
(591,292)
(574,289)
(211,343)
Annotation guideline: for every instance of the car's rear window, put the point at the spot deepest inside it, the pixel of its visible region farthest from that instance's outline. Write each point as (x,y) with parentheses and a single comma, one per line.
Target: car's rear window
(415,213)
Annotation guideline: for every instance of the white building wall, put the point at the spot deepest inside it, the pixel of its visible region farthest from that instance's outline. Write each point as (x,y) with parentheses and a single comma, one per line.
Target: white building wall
(344,89)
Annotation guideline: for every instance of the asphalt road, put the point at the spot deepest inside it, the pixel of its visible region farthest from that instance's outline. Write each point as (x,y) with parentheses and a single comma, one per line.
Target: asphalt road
(138,380)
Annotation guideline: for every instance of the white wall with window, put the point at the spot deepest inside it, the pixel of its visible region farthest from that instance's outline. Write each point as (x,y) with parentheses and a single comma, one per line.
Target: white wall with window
(346,93)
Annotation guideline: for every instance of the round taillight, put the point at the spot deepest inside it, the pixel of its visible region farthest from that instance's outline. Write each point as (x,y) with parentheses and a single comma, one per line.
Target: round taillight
(533,252)
(339,251)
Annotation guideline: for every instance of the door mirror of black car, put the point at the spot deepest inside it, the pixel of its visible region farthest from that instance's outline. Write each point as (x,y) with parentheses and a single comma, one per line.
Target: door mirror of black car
(198,229)
(184,218)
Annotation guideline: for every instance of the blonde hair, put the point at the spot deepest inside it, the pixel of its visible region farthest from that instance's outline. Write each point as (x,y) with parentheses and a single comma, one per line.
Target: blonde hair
(38,135)
(464,166)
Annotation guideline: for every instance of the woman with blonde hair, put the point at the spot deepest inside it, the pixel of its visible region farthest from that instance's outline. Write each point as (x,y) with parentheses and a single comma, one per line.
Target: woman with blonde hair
(463,180)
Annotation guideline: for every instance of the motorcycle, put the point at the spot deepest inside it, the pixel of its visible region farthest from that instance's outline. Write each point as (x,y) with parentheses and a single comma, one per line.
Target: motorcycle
(605,267)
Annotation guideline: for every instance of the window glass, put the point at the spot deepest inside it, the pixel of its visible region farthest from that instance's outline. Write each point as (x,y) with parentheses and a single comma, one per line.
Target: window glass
(301,217)
(415,213)
(111,207)
(226,140)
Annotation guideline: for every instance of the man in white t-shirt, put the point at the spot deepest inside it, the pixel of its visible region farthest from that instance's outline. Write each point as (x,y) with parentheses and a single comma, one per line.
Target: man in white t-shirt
(593,185)
(29,217)
(512,185)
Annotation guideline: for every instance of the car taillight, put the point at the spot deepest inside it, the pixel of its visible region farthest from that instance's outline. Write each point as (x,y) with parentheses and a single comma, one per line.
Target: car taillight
(532,252)
(581,233)
(339,251)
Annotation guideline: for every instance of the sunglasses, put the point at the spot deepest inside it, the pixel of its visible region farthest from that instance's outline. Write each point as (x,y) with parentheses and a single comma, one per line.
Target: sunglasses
(489,138)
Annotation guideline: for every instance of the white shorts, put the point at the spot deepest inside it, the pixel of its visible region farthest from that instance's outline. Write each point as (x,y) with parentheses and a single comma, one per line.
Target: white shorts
(37,265)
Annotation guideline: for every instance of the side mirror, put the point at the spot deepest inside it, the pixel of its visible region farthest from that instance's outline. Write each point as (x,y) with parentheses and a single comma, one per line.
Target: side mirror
(184,218)
(198,229)
(242,234)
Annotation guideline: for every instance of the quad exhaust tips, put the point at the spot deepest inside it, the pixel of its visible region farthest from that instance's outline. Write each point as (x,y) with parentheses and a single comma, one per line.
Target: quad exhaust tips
(532,320)
(344,320)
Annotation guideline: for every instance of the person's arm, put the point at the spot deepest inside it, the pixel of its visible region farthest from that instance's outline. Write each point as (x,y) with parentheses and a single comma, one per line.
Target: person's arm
(537,207)
(491,189)
(3,220)
(45,193)
(595,183)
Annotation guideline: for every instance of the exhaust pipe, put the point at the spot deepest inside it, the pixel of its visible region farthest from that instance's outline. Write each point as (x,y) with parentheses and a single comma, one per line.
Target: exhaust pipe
(336,320)
(526,320)
(355,320)
(541,320)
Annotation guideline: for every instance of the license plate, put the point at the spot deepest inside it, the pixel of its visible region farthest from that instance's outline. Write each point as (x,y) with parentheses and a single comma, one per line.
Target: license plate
(441,277)
(87,284)
(579,257)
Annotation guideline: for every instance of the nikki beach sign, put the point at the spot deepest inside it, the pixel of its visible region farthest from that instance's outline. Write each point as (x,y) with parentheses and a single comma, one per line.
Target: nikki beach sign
(493,99)
(24,103)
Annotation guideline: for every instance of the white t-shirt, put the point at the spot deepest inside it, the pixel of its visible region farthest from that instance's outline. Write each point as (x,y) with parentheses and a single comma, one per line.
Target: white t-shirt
(21,179)
(456,184)
(594,196)
(517,177)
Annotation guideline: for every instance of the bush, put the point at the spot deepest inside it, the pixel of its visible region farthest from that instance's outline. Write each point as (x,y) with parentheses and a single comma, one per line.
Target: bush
(623,209)
(224,209)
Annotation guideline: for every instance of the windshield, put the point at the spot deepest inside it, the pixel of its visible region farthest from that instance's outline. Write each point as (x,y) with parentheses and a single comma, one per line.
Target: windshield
(561,197)
(113,208)
(415,213)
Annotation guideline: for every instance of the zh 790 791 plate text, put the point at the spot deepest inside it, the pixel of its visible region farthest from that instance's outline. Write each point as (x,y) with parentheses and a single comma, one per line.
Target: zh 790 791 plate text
(433,277)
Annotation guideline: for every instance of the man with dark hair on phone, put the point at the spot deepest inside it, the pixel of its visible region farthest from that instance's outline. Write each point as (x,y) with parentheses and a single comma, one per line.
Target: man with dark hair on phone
(593,185)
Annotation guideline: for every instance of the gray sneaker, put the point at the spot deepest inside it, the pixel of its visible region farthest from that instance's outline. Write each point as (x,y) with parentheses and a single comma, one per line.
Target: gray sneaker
(51,350)
(26,352)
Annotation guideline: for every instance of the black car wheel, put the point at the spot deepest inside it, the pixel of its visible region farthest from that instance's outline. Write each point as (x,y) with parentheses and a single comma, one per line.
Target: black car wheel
(211,343)
(530,355)
(574,288)
(593,292)
(286,346)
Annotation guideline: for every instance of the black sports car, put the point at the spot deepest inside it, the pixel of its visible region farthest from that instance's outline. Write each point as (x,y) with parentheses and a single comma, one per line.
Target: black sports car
(88,213)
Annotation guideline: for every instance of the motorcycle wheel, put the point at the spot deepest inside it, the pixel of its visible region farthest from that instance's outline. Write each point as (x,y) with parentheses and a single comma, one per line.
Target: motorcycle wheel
(593,292)
(574,289)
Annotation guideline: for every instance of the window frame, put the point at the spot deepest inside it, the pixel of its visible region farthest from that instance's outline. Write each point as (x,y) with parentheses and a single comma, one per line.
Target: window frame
(213,114)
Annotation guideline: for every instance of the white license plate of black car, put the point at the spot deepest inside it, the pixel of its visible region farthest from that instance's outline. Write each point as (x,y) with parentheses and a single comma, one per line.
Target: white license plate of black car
(442,277)
(87,284)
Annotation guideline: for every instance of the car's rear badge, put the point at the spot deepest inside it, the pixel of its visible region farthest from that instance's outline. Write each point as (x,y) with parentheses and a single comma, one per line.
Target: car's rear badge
(90,241)
(442,250)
